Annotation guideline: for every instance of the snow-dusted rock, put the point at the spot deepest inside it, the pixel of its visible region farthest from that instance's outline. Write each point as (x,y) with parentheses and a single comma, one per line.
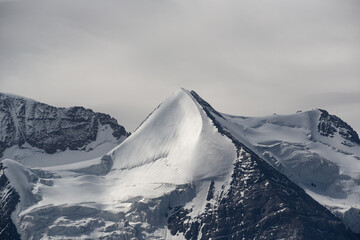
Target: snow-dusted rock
(9,198)
(50,128)
(316,150)
(190,172)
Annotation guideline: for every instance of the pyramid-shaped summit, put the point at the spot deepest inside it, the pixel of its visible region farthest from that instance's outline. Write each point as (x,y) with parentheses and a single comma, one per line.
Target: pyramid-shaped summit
(190,172)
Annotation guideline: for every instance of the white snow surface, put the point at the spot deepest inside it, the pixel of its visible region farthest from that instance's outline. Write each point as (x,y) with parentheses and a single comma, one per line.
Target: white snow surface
(326,169)
(176,146)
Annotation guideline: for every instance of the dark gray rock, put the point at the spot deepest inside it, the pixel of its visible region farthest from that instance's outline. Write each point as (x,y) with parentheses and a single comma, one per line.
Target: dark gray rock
(330,124)
(9,198)
(261,203)
(50,128)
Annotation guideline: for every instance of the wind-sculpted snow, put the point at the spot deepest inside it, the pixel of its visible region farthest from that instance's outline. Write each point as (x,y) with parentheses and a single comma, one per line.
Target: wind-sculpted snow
(190,172)
(179,137)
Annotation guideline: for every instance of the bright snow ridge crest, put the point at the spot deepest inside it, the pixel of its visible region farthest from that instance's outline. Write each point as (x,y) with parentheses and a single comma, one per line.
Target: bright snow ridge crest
(190,172)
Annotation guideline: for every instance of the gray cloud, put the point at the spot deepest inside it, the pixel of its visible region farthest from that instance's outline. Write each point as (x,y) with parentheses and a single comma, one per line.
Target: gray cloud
(125,57)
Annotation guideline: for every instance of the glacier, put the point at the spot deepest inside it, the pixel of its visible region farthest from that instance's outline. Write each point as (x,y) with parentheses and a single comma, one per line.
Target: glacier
(190,172)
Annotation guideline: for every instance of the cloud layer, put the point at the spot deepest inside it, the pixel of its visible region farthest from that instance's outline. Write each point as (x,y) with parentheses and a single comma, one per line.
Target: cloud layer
(124,57)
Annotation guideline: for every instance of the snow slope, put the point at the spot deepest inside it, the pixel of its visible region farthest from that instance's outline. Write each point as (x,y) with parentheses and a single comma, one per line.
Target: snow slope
(187,146)
(326,167)
(187,172)
(174,150)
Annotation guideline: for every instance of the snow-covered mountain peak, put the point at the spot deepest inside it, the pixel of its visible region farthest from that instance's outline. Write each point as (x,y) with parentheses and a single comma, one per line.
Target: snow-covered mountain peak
(180,103)
(179,136)
(189,172)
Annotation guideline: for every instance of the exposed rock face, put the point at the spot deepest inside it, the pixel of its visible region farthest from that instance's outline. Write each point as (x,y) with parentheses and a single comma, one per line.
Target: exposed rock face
(49,128)
(261,203)
(9,198)
(330,124)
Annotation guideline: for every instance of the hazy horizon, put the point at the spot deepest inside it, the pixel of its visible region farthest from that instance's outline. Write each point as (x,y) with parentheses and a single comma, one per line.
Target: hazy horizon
(248,58)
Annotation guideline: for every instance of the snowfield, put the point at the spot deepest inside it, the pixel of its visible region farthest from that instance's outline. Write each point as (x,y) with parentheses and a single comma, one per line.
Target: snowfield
(126,190)
(186,150)
(327,169)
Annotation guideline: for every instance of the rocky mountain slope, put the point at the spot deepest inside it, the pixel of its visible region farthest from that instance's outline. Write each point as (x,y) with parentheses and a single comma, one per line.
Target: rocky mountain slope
(50,128)
(190,172)
(37,134)
(9,199)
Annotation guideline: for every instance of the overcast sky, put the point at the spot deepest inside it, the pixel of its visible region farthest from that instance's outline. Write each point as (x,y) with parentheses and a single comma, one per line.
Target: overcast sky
(124,57)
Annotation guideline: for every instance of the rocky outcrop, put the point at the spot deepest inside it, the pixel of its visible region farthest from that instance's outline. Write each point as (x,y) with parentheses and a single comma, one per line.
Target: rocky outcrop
(261,203)
(50,128)
(9,198)
(330,124)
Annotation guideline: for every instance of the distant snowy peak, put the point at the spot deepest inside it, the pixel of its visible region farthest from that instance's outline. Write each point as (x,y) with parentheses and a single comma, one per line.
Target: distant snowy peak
(49,128)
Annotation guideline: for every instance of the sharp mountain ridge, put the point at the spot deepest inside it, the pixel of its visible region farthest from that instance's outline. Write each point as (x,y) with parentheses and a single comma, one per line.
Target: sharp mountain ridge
(187,172)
